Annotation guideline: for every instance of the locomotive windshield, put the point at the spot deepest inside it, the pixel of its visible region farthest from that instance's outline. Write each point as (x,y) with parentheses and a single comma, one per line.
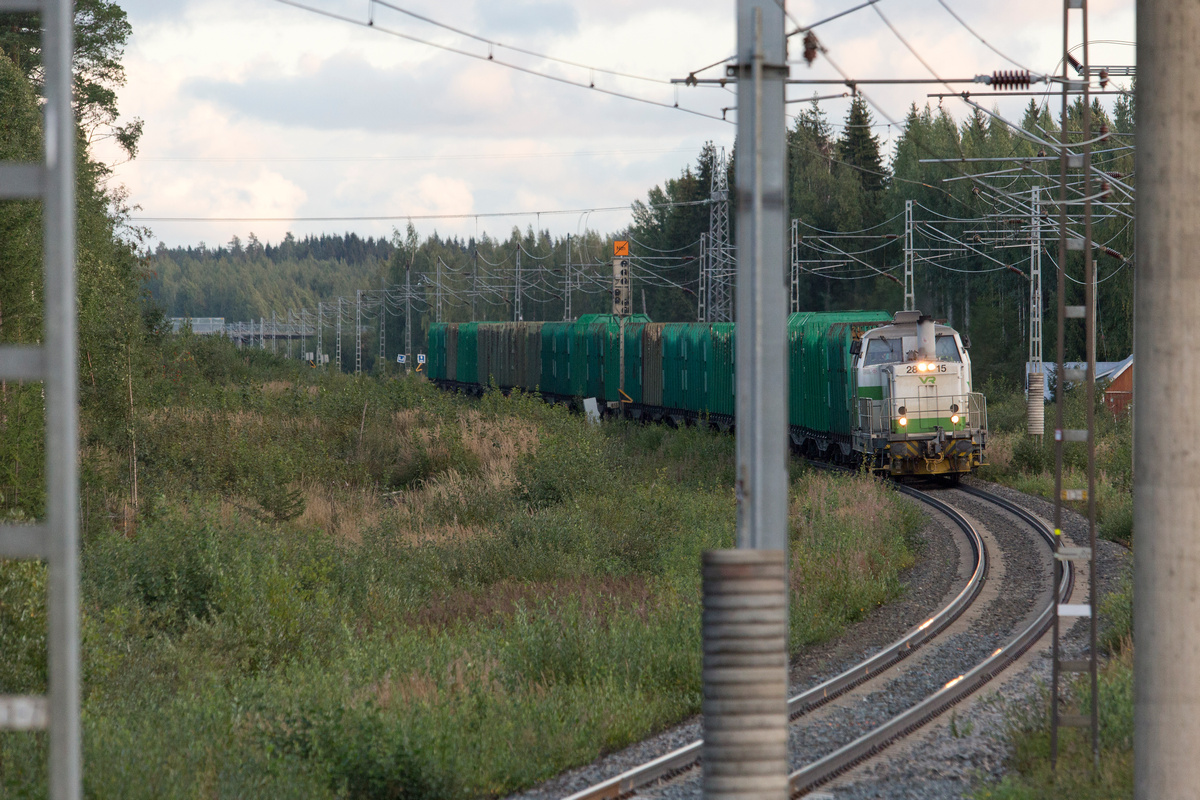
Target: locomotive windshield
(946,349)
(884,351)
(891,351)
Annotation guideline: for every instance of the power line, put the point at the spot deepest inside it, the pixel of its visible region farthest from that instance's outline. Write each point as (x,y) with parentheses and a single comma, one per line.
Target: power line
(400,217)
(454,157)
(494,43)
(985,42)
(490,59)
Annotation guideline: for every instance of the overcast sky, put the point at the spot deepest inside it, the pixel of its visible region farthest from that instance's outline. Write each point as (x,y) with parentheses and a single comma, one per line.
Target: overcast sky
(254,108)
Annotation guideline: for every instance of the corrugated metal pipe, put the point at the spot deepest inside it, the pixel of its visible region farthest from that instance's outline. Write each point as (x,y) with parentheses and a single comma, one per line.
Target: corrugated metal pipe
(745,674)
(1035,409)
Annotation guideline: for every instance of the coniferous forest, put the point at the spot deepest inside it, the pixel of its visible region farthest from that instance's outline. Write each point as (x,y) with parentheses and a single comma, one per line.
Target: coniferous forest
(848,195)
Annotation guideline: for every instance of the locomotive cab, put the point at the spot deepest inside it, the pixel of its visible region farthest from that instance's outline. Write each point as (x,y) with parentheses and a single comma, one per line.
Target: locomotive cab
(917,413)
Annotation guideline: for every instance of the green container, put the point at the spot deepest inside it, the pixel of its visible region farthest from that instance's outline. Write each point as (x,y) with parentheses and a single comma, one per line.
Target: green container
(675,364)
(468,352)
(720,375)
(556,360)
(820,391)
(436,366)
(652,364)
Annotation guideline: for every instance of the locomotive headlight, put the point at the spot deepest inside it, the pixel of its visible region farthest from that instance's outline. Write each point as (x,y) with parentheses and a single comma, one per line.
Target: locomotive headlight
(954,419)
(903,421)
(922,367)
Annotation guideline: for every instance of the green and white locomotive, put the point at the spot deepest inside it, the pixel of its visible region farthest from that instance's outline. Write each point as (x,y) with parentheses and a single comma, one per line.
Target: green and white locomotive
(917,413)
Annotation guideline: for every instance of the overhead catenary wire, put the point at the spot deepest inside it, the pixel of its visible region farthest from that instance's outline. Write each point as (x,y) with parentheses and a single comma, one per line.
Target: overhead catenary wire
(490,59)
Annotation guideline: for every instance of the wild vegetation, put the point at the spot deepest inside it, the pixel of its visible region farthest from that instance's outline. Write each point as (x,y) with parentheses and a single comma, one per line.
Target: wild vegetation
(362,587)
(1028,463)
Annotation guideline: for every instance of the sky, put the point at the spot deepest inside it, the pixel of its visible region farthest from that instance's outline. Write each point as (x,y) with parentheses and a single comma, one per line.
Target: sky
(261,113)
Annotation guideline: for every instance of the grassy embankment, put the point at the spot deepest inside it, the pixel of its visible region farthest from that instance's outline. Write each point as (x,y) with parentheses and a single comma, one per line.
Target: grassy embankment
(366,588)
(1024,463)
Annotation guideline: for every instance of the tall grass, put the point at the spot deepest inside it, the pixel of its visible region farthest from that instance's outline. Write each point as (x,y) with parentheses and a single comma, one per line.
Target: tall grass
(367,588)
(1028,464)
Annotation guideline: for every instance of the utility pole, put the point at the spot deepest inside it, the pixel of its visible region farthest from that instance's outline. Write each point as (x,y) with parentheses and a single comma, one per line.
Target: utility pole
(1166,494)
(408,354)
(719,304)
(475,277)
(910,291)
(517,316)
(339,335)
(382,326)
(291,333)
(1035,423)
(54,538)
(1078,86)
(795,305)
(438,291)
(357,331)
(320,327)
(745,674)
(567,283)
(274,335)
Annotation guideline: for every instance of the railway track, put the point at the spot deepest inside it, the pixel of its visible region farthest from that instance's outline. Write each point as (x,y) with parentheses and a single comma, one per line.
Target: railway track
(810,775)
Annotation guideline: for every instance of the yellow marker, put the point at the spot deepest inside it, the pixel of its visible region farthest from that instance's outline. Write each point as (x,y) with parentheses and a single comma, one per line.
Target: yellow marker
(1058,531)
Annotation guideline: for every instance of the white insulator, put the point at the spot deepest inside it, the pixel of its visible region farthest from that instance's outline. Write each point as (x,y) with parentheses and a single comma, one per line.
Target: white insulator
(1035,409)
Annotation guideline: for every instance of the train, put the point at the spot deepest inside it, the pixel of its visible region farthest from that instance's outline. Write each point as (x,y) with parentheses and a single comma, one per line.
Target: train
(887,392)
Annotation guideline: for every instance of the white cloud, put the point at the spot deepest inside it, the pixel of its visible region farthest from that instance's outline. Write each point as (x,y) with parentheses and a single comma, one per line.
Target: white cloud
(239,80)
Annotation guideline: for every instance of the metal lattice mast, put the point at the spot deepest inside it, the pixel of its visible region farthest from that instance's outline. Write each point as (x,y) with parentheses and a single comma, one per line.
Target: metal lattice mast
(517,315)
(910,292)
(1035,280)
(54,539)
(1067,243)
(357,331)
(720,252)
(274,335)
(795,285)
(702,289)
(437,291)
(408,316)
(475,275)
(382,327)
(320,326)
(339,335)
(567,283)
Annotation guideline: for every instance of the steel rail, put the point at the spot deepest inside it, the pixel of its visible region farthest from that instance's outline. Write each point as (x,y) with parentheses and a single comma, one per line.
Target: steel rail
(684,758)
(818,772)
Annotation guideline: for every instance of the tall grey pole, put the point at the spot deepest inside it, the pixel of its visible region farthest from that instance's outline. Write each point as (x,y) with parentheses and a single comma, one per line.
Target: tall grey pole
(745,590)
(762,286)
(1166,496)
(320,330)
(61,385)
(339,335)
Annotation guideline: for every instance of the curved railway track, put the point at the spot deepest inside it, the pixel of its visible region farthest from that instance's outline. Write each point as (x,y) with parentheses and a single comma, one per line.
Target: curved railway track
(904,723)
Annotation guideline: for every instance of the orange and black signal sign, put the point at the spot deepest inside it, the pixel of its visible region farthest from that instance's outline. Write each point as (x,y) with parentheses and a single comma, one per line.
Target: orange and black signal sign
(620,248)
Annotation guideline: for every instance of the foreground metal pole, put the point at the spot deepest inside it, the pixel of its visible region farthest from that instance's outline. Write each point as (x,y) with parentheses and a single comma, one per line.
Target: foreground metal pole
(1166,502)
(62,474)
(745,606)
